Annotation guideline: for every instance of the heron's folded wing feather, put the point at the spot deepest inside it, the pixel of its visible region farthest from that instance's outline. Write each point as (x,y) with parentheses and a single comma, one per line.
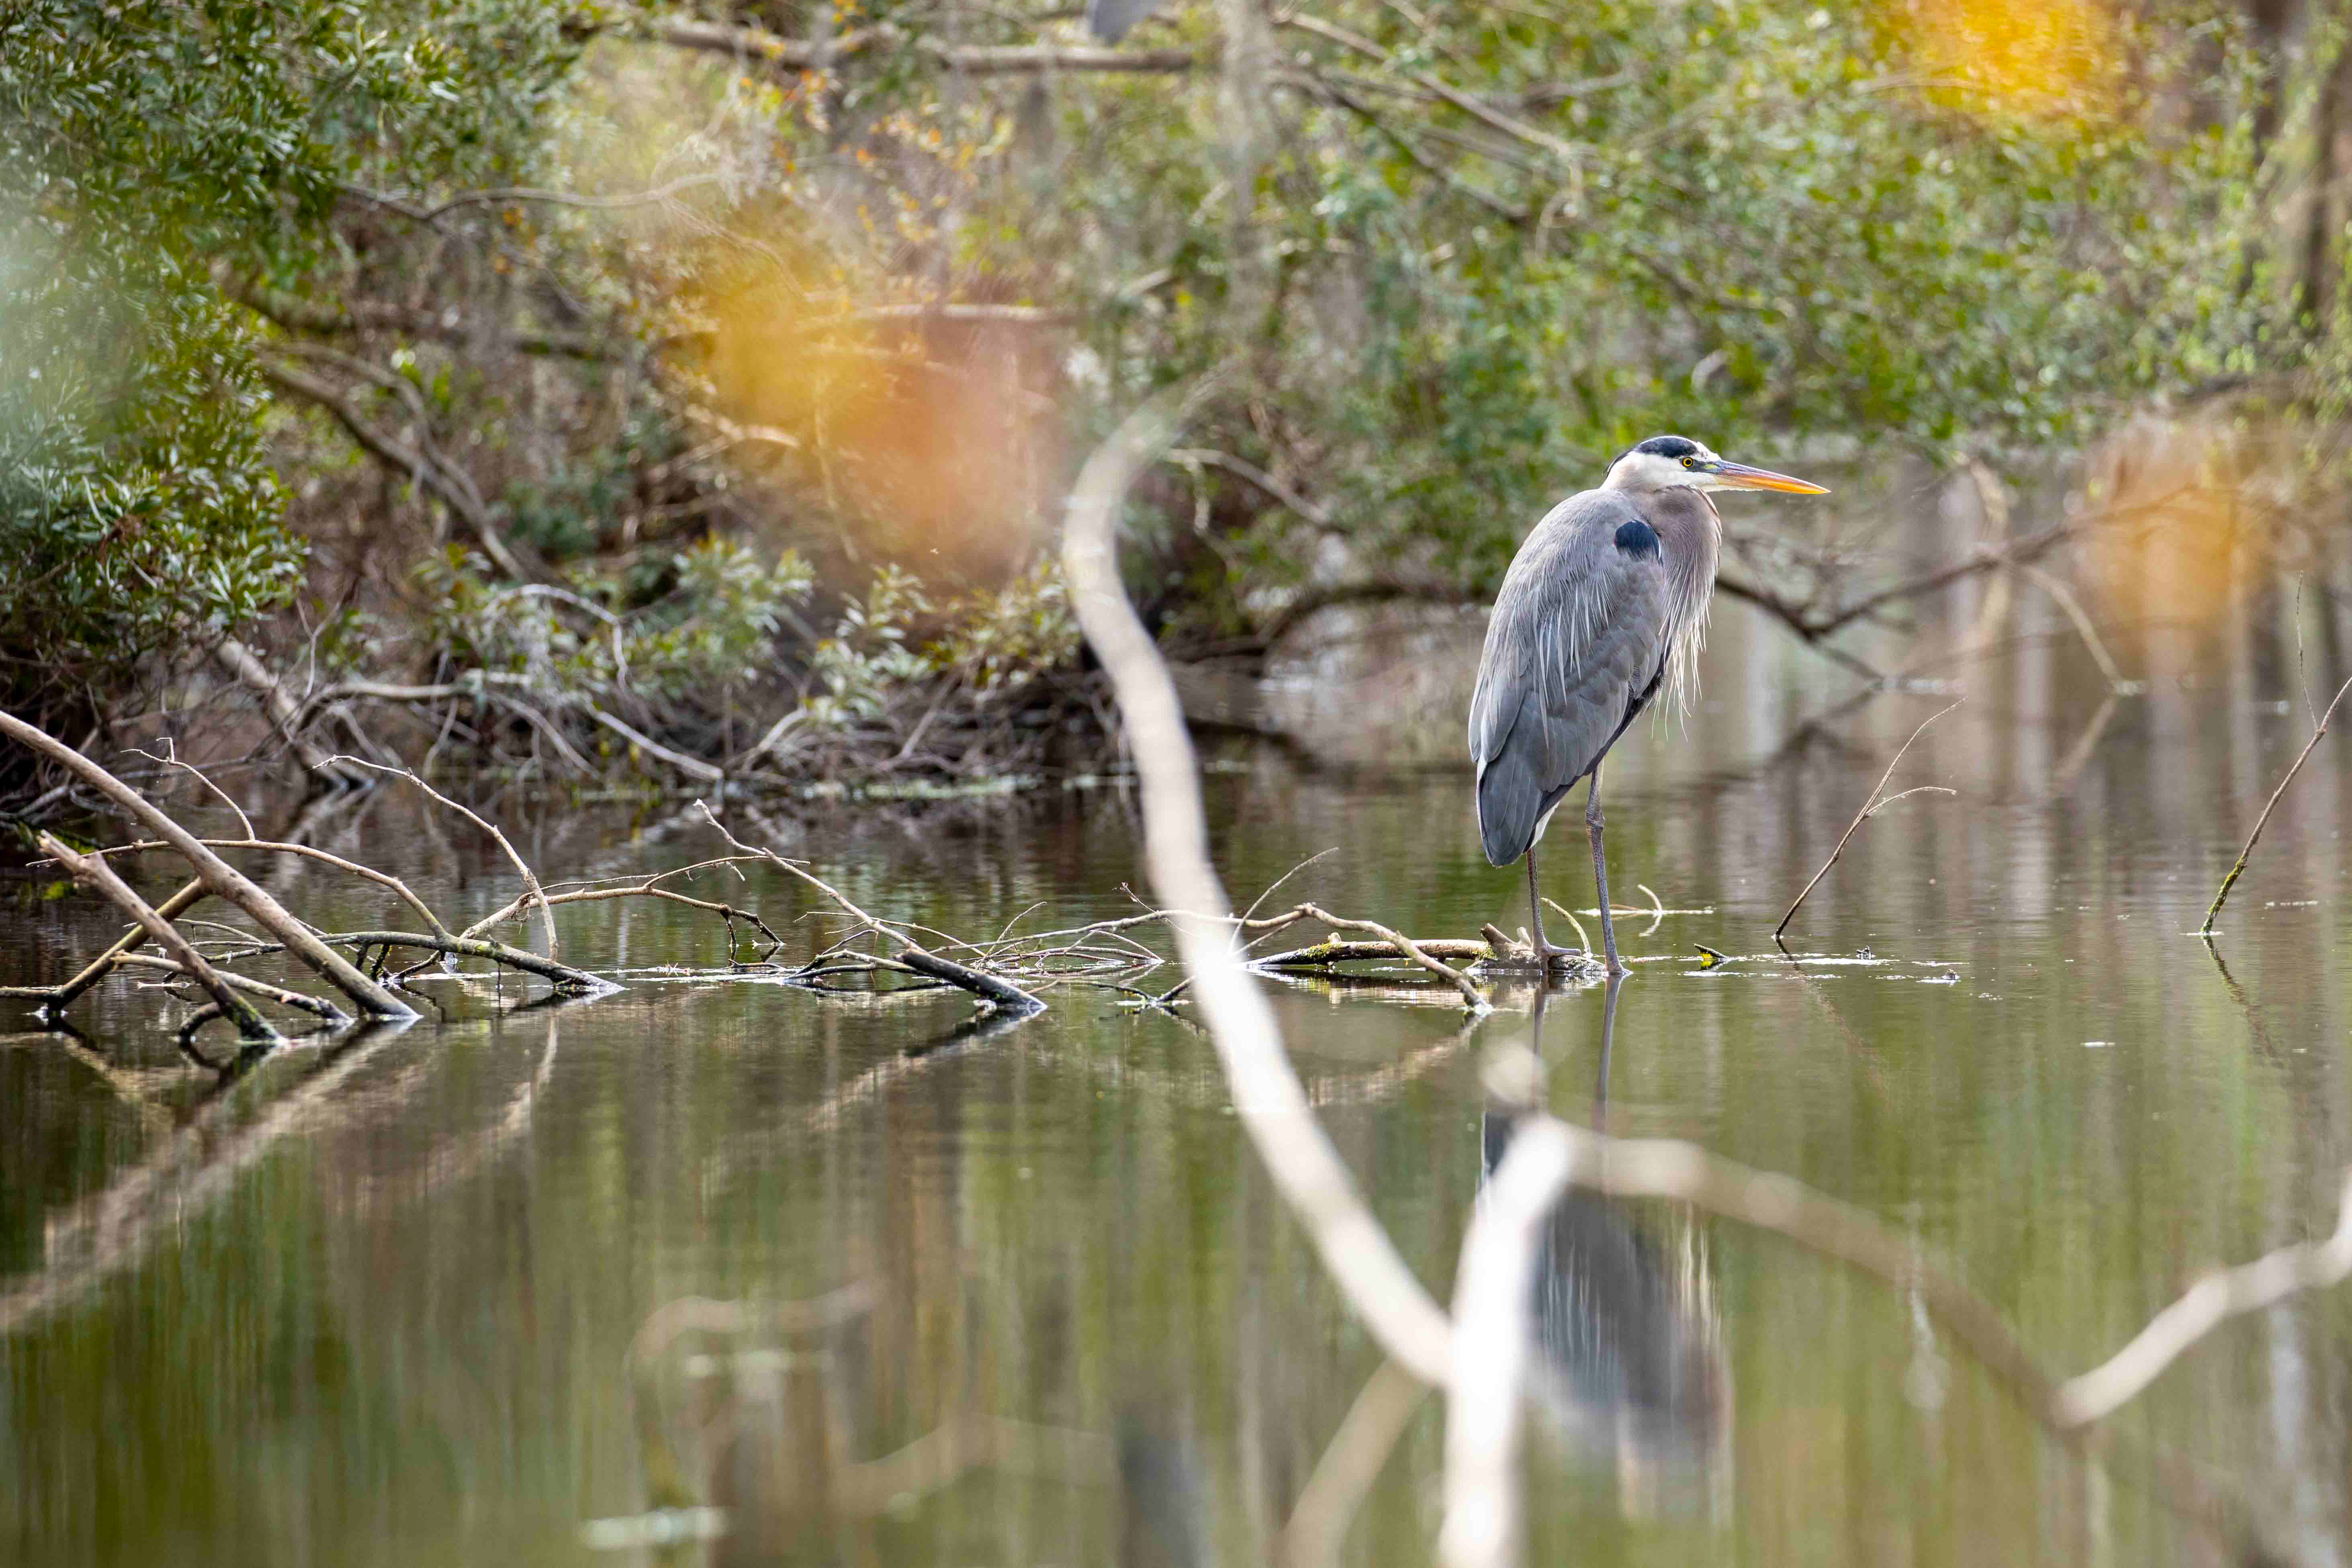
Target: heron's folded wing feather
(1577,635)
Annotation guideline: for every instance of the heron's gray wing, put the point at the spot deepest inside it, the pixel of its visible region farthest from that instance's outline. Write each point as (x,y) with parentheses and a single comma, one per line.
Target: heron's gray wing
(1576,642)
(1110,20)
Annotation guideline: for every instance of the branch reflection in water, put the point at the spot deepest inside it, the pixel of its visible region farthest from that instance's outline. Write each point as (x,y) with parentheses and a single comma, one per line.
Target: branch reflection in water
(1630,1371)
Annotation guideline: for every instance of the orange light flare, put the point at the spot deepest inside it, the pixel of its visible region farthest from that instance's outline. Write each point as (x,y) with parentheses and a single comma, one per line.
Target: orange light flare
(2183,521)
(936,437)
(2029,59)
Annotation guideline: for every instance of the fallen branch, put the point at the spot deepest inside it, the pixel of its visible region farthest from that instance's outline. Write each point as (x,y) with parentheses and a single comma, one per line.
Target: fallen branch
(529,882)
(1313,1180)
(573,981)
(317,1007)
(910,955)
(218,876)
(54,999)
(406,894)
(1870,808)
(2239,869)
(97,875)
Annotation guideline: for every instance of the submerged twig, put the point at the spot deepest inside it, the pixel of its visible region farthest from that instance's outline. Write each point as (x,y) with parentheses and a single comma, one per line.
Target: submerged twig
(2239,869)
(1870,808)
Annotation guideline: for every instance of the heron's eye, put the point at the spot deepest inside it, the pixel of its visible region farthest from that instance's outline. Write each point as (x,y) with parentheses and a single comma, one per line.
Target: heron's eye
(1690,462)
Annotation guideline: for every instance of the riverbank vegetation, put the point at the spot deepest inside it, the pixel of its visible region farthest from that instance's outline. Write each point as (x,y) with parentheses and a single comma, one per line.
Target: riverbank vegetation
(461,383)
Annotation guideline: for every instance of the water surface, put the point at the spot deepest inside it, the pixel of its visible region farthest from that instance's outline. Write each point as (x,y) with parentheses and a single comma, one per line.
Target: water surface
(414,1296)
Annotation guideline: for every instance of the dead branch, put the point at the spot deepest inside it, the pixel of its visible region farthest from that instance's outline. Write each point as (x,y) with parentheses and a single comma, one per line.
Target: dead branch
(1871,808)
(406,894)
(694,768)
(910,955)
(1323,955)
(1264,1089)
(972,59)
(571,981)
(648,886)
(529,882)
(218,876)
(2237,870)
(54,999)
(97,875)
(317,1007)
(1491,1332)
(421,465)
(284,713)
(1406,947)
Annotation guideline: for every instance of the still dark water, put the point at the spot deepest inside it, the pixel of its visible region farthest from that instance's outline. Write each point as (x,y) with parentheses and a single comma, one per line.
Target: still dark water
(427,1296)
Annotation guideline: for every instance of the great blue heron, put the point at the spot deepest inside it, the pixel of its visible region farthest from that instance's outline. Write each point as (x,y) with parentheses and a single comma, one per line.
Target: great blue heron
(1605,603)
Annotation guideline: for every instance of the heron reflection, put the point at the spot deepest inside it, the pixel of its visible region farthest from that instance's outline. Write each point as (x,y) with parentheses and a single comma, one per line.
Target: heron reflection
(1630,1366)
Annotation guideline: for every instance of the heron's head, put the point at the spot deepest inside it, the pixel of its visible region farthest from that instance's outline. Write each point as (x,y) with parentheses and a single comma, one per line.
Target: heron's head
(1663,462)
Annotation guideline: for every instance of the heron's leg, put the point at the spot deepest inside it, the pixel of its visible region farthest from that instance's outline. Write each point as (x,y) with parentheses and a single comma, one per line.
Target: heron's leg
(1535,905)
(1600,873)
(1545,951)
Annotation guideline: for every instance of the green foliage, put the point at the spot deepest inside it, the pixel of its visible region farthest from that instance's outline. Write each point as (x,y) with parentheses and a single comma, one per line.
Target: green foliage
(146,149)
(896,640)
(713,630)
(136,512)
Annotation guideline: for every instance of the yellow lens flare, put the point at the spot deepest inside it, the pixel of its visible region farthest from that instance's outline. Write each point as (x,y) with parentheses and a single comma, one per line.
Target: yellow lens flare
(2034,60)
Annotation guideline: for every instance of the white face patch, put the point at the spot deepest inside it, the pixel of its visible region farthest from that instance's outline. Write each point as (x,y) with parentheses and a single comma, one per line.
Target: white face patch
(1640,471)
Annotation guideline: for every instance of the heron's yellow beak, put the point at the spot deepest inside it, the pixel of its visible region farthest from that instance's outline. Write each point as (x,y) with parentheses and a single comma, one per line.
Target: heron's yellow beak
(1740,477)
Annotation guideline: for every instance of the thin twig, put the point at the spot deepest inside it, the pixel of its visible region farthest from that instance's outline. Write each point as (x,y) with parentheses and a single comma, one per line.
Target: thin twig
(1870,808)
(529,882)
(2237,870)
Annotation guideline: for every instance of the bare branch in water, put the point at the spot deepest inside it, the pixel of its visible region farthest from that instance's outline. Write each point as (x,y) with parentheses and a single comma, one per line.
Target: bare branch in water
(1878,802)
(911,953)
(529,882)
(94,873)
(2269,806)
(217,875)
